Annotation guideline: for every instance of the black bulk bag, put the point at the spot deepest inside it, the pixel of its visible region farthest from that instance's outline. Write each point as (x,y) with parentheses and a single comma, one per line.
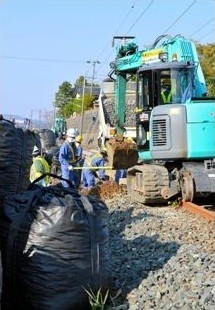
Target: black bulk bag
(54,246)
(47,138)
(52,152)
(16,146)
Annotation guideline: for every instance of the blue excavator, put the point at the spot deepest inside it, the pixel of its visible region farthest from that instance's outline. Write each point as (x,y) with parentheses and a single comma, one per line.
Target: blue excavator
(174,150)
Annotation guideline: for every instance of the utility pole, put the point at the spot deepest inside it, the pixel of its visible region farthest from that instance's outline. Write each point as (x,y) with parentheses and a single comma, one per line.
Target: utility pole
(93,62)
(82,105)
(39,111)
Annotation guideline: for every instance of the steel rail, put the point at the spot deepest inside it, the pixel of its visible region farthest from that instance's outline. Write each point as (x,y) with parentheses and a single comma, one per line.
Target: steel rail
(198,210)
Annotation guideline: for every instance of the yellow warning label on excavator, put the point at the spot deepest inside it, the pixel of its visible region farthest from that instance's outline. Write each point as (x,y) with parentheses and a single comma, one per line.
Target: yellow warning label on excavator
(151,56)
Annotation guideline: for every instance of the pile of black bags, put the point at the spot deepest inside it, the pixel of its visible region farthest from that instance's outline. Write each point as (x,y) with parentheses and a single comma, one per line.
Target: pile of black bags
(16,146)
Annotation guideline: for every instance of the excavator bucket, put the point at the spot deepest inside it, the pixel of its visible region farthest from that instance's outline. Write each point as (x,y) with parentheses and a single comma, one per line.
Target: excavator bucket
(122,154)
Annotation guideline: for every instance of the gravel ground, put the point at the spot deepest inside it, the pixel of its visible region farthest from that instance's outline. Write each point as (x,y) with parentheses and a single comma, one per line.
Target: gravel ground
(161,257)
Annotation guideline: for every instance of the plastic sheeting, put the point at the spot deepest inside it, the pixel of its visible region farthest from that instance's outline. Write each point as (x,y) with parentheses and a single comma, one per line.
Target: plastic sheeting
(16,147)
(54,244)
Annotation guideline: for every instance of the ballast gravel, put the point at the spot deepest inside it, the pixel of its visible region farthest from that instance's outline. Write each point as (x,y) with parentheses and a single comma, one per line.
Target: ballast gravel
(162,258)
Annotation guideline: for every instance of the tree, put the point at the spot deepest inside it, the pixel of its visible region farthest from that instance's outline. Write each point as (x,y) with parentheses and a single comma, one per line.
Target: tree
(79,81)
(207,60)
(75,105)
(63,95)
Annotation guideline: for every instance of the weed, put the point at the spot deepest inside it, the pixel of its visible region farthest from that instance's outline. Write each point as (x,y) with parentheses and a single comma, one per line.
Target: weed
(96,300)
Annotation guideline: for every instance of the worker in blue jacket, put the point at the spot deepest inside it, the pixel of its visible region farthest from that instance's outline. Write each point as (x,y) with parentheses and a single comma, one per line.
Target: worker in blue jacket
(80,160)
(95,162)
(120,173)
(68,157)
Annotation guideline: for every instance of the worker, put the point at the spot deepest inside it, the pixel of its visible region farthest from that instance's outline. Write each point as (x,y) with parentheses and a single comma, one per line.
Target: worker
(39,167)
(67,158)
(79,159)
(95,162)
(120,173)
(166,94)
(78,143)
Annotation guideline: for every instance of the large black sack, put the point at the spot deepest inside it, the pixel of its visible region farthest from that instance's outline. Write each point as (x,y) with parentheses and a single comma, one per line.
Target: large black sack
(51,153)
(54,245)
(16,146)
(47,138)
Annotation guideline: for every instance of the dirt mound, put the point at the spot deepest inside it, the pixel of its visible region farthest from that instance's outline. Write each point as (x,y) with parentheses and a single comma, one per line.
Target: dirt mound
(105,190)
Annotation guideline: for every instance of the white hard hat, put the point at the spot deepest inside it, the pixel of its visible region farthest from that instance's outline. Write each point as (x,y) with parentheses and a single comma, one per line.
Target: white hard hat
(71,132)
(36,151)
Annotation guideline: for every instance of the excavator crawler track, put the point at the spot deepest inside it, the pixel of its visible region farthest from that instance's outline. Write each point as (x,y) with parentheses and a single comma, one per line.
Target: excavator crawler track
(145,183)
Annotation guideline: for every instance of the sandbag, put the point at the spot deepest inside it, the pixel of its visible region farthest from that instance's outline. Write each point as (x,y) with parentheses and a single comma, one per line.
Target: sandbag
(54,245)
(16,146)
(47,139)
(52,152)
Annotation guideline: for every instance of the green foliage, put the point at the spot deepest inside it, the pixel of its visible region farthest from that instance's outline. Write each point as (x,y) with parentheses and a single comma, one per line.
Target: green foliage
(207,60)
(65,101)
(80,81)
(64,95)
(96,300)
(75,105)
(88,101)
(68,109)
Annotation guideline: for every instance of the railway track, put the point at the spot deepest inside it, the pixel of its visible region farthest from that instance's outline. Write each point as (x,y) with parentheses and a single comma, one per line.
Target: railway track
(204,210)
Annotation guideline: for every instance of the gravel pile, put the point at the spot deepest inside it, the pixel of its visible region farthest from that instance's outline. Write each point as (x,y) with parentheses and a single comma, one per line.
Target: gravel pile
(110,115)
(161,258)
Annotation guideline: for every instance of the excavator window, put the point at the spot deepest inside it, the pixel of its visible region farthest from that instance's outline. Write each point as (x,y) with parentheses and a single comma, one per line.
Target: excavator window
(144,93)
(161,85)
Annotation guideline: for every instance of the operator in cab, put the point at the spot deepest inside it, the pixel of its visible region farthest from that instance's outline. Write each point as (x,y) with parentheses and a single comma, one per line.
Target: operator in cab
(166,93)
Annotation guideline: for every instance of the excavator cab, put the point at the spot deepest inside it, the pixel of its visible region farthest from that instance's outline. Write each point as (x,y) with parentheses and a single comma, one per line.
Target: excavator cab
(160,84)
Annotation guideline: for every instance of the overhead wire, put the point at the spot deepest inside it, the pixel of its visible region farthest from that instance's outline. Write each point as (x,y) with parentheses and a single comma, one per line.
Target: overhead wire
(118,28)
(202,27)
(104,62)
(132,26)
(171,25)
(140,16)
(42,59)
(179,17)
(205,35)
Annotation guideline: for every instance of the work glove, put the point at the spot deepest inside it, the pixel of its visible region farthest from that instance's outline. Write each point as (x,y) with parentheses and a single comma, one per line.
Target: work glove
(70,168)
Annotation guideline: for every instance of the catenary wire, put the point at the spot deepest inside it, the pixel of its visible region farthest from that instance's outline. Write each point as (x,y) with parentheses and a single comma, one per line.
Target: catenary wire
(142,14)
(203,26)
(205,35)
(178,18)
(42,59)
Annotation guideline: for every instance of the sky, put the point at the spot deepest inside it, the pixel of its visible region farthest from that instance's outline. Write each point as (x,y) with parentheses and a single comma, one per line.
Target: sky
(47,42)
